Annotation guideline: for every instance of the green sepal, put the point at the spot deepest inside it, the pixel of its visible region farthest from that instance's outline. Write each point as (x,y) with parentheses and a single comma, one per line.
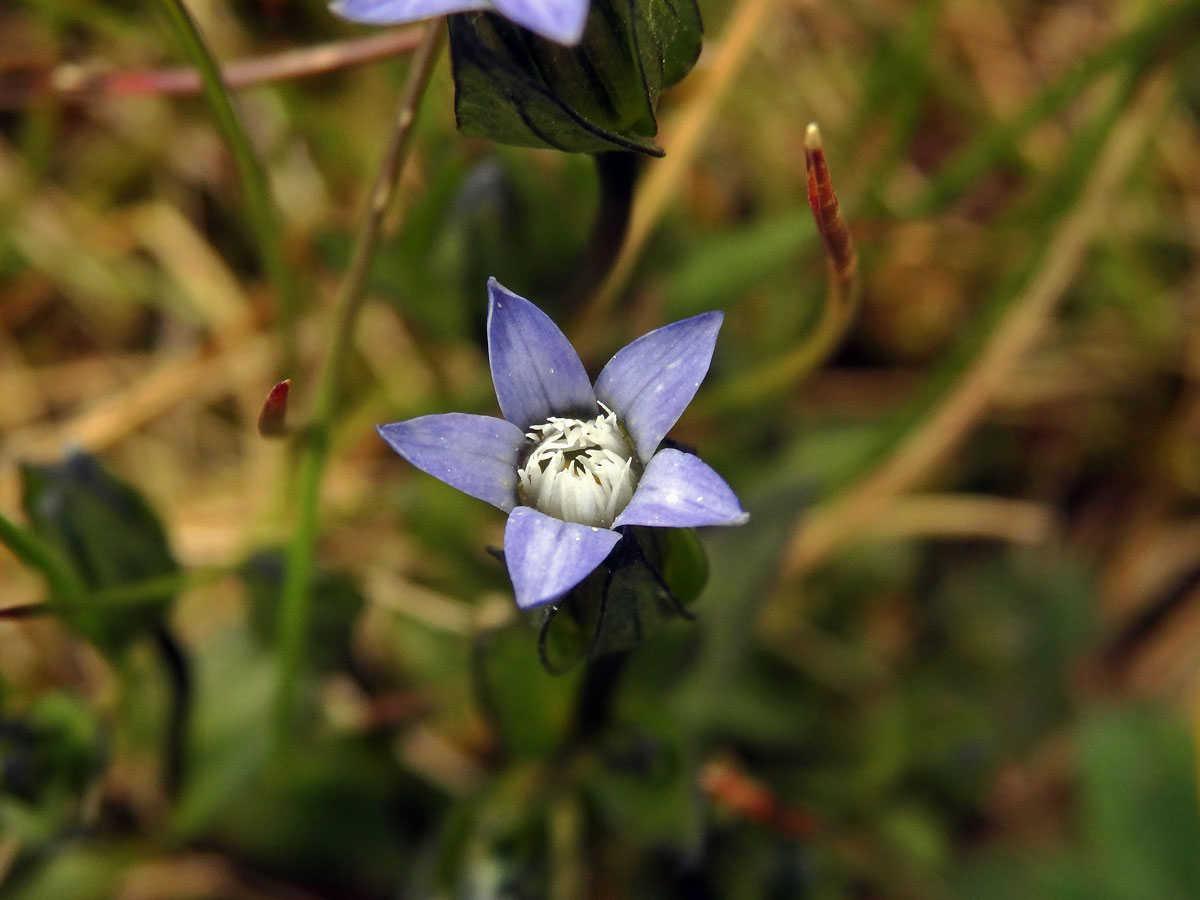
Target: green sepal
(669,34)
(516,88)
(650,577)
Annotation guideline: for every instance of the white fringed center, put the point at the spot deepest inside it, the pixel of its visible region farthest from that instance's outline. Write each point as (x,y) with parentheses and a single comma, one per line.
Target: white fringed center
(580,470)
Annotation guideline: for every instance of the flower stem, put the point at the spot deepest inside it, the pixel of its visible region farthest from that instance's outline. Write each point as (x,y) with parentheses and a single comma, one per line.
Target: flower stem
(616,171)
(179,672)
(251,176)
(294,613)
(597,696)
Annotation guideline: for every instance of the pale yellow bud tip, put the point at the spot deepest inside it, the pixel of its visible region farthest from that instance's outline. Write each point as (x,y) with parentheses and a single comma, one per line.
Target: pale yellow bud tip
(812,137)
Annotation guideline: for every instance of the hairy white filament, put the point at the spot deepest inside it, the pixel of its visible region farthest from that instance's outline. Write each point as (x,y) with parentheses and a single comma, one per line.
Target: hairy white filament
(580,470)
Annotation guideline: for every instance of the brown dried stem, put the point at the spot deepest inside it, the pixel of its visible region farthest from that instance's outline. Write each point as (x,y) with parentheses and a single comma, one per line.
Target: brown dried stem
(78,83)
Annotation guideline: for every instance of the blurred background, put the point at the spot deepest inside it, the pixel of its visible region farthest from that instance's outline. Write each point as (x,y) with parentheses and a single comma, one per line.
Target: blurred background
(955,651)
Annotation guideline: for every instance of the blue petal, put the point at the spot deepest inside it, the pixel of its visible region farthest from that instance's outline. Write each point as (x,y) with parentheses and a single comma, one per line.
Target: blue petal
(558,20)
(536,371)
(678,490)
(650,382)
(476,454)
(547,557)
(390,12)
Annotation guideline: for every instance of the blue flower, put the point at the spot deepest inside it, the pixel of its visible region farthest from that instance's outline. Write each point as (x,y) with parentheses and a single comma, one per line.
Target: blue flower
(558,20)
(572,463)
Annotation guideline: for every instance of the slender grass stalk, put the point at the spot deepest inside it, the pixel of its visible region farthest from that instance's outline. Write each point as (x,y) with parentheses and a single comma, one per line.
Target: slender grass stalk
(1143,46)
(252,177)
(294,614)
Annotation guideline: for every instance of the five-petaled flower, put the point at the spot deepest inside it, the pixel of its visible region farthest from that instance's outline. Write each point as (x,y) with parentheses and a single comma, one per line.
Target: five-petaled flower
(557,20)
(570,463)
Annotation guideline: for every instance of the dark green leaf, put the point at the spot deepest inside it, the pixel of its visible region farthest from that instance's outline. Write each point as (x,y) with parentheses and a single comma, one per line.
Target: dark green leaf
(113,540)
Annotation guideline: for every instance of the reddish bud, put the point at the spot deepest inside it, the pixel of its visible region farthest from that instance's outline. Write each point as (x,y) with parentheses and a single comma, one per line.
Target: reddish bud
(839,246)
(271,421)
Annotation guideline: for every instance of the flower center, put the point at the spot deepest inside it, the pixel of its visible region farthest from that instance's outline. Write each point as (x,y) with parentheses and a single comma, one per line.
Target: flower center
(579,470)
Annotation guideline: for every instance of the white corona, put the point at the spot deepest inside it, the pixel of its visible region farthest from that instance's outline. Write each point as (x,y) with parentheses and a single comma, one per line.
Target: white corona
(580,470)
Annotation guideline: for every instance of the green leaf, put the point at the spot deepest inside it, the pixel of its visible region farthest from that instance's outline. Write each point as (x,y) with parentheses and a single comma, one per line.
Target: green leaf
(113,540)
(669,35)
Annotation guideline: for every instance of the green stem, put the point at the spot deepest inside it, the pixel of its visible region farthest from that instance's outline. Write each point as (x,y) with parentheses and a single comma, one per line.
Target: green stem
(294,615)
(251,176)
(616,171)
(65,583)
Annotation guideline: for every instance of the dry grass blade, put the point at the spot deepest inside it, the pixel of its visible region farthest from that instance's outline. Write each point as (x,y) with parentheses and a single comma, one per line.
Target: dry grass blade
(77,83)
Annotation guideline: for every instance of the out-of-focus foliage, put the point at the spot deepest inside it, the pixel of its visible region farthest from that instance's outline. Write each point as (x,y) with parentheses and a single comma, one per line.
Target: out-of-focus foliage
(954,652)
(111,540)
(336,604)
